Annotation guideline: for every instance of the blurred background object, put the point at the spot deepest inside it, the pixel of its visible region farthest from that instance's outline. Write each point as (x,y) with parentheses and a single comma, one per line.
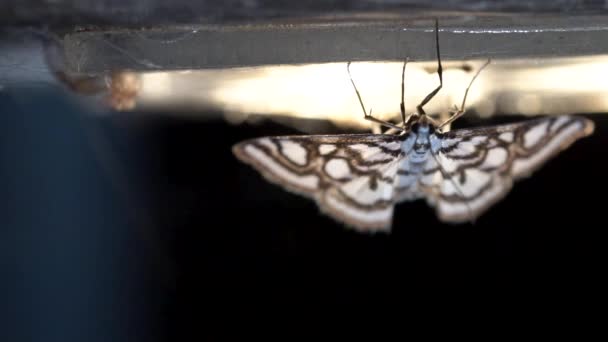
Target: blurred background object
(323,91)
(125,216)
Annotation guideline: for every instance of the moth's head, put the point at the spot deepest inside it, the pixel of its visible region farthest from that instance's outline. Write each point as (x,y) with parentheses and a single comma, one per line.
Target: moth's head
(421,127)
(413,120)
(418,122)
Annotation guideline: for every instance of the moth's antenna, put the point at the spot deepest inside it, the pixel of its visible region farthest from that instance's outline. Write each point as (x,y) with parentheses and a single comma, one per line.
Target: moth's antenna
(466,92)
(365,115)
(403,92)
(439,72)
(446,175)
(356,90)
(460,112)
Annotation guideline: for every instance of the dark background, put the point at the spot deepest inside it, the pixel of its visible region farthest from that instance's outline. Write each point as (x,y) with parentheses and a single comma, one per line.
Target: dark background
(130,227)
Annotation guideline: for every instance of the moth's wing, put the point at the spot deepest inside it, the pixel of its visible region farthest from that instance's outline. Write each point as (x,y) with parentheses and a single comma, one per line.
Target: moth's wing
(476,167)
(349,176)
(461,193)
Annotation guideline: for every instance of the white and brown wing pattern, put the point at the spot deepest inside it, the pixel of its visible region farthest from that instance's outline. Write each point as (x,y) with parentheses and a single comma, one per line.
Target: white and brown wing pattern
(478,166)
(349,176)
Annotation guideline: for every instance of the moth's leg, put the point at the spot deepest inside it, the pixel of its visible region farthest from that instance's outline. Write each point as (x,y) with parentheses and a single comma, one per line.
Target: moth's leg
(365,115)
(402,106)
(377,129)
(459,112)
(439,72)
(381,122)
(433,122)
(392,131)
(452,118)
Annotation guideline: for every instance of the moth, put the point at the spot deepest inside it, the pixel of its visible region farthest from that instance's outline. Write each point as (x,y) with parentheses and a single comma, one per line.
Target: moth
(358,179)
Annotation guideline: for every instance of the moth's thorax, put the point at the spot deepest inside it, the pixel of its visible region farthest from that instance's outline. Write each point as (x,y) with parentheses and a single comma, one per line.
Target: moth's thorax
(419,142)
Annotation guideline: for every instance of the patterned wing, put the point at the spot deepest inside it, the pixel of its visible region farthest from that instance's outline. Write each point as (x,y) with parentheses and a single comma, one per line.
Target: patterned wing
(474,168)
(349,176)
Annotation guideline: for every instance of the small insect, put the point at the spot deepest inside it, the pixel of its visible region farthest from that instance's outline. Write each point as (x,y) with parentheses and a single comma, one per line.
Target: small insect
(358,178)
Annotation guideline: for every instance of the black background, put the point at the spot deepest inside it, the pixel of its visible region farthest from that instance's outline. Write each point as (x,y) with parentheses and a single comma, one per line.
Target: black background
(164,233)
